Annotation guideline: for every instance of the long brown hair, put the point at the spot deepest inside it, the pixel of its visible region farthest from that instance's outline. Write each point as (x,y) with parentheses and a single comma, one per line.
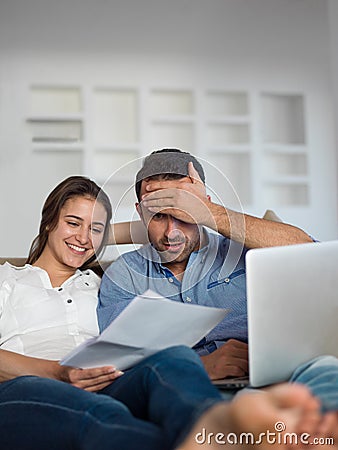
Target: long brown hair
(75,186)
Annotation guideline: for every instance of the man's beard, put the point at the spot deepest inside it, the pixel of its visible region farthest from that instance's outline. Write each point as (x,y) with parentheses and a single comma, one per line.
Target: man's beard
(168,256)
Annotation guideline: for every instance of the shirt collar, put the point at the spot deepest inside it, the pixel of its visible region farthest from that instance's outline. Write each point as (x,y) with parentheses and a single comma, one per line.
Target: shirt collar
(44,277)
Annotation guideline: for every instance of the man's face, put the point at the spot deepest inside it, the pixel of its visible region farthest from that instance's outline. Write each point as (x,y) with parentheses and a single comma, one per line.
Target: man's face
(173,239)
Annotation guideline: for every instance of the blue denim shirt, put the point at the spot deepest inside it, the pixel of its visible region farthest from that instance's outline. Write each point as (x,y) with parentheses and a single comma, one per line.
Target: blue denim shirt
(214,276)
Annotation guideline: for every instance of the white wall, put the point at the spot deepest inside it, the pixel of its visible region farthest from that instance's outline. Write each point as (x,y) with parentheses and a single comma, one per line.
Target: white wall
(254,43)
(333,27)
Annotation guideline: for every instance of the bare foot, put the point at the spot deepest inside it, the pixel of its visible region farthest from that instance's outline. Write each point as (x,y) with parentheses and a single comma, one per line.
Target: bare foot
(285,416)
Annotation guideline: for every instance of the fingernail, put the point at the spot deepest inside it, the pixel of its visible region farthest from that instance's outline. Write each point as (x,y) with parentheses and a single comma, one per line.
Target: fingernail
(119,372)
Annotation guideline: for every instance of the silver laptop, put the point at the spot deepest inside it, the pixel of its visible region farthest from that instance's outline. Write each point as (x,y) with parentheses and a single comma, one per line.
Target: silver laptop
(292,296)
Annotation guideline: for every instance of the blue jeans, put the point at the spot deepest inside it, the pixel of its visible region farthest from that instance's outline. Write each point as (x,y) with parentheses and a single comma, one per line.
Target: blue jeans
(321,376)
(152,406)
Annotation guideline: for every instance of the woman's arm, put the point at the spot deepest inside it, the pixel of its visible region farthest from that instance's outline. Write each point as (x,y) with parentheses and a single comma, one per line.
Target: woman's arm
(127,233)
(13,365)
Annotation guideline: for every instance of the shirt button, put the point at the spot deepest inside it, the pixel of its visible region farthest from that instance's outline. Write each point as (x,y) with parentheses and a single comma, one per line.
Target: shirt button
(69,300)
(171,280)
(60,289)
(188,299)
(227,280)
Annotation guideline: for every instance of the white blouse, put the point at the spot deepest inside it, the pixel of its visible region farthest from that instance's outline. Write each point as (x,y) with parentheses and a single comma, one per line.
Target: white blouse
(39,320)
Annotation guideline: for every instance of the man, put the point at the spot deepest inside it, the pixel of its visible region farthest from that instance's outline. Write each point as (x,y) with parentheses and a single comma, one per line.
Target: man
(185,262)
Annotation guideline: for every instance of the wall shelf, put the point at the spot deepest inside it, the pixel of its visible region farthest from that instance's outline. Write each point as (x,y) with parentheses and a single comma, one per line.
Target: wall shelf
(175,119)
(229,120)
(48,130)
(56,147)
(232,149)
(285,149)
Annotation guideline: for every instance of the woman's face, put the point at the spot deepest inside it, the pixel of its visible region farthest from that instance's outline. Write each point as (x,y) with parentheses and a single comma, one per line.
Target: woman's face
(79,232)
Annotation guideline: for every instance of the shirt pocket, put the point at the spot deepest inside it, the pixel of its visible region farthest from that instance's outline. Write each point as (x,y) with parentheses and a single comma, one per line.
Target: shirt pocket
(229,280)
(229,292)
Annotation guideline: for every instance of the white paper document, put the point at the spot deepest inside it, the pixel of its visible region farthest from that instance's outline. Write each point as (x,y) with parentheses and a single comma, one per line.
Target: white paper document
(148,324)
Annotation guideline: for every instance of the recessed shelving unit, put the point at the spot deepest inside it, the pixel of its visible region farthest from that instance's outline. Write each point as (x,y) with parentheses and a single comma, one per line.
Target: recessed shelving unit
(254,157)
(234,173)
(171,103)
(283,163)
(55,128)
(50,130)
(121,194)
(229,145)
(227,134)
(227,104)
(286,194)
(57,165)
(283,119)
(175,134)
(117,164)
(55,100)
(285,155)
(115,137)
(172,119)
(55,115)
(115,116)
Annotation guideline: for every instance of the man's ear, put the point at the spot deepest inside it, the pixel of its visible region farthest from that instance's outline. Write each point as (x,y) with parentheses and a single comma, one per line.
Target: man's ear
(139,210)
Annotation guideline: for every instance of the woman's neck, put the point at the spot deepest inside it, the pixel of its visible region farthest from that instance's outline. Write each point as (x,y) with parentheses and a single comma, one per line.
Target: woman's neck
(58,273)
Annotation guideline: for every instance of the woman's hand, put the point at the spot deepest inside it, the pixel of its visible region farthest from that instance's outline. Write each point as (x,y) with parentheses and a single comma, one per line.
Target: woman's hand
(91,380)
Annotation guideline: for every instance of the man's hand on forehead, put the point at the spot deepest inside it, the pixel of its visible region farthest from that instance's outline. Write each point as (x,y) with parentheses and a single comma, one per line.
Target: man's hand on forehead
(185,199)
(191,183)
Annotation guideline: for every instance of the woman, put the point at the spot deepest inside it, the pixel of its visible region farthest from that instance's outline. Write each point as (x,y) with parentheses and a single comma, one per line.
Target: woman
(48,307)
(68,238)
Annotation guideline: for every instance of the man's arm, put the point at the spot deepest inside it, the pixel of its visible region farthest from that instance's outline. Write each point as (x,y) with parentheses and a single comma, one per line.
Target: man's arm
(186,199)
(13,365)
(132,232)
(255,232)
